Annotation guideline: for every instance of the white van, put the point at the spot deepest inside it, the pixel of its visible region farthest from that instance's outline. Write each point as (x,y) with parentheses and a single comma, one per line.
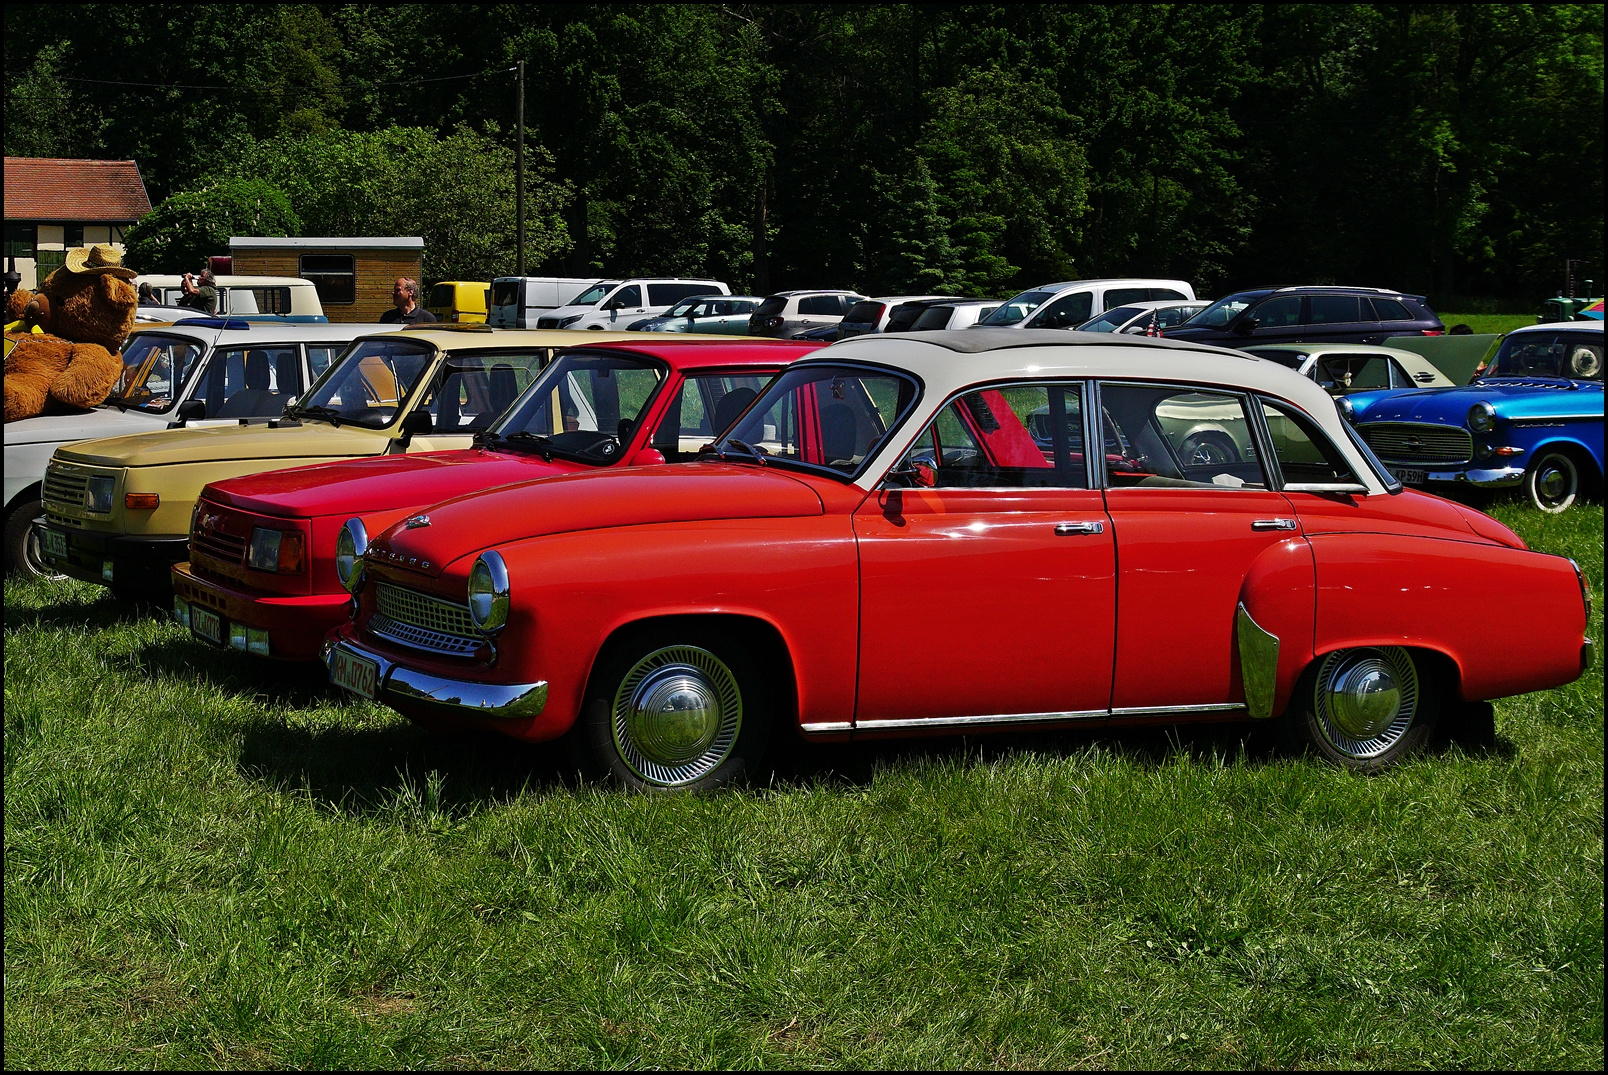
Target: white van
(228,372)
(617,303)
(254,298)
(517,301)
(1070,303)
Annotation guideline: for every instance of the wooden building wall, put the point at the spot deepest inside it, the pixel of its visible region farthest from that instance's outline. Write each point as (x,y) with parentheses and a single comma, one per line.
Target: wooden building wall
(377,270)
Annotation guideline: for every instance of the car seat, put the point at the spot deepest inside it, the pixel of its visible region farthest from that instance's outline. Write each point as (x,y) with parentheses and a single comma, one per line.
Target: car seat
(838,433)
(504,389)
(732,405)
(255,399)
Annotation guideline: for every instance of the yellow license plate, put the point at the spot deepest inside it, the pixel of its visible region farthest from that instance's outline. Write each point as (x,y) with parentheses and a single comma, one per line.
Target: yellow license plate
(357,674)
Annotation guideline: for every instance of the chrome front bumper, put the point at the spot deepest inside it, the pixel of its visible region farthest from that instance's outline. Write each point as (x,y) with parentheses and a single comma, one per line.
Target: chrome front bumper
(1501,478)
(398,683)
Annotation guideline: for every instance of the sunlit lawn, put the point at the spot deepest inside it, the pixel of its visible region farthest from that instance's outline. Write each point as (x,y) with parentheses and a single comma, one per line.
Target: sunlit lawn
(211,862)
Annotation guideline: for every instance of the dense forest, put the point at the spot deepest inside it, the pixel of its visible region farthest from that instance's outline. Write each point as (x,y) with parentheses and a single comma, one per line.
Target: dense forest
(1453,149)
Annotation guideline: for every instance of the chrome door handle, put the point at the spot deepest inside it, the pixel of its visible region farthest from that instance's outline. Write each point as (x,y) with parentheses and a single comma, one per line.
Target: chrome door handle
(1273,524)
(1067,529)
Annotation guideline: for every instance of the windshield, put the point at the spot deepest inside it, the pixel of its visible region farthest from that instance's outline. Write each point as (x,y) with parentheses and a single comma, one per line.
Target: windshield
(1013,310)
(1111,320)
(155,367)
(584,406)
(593,295)
(686,307)
(370,383)
(1549,354)
(833,418)
(1224,310)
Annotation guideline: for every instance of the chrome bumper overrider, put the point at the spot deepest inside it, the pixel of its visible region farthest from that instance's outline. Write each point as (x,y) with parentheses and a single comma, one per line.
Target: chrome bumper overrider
(458,697)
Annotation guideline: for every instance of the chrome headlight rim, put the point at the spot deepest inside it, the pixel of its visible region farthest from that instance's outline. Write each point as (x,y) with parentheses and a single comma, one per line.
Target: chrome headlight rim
(1482,417)
(350,545)
(488,592)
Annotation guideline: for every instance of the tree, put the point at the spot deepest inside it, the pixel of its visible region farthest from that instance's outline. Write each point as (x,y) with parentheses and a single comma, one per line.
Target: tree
(185,228)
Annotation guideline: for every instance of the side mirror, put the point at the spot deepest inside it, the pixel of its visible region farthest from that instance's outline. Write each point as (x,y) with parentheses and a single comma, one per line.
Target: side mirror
(922,472)
(647,457)
(615,305)
(1246,326)
(191,410)
(416,423)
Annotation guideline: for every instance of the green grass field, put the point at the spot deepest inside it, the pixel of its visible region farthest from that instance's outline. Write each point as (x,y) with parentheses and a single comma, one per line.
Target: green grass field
(1488,322)
(212,862)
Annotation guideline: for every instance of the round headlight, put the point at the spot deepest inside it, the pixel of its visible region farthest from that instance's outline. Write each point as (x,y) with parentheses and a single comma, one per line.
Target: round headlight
(1482,417)
(350,545)
(488,592)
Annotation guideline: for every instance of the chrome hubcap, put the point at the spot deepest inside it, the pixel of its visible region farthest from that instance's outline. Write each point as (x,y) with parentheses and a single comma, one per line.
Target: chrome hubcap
(1554,484)
(1366,699)
(676,715)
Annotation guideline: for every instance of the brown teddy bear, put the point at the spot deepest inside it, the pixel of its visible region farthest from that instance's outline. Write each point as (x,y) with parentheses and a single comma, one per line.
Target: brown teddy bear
(85,309)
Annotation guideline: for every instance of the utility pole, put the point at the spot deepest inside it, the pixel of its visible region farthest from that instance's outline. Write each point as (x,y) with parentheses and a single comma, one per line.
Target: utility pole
(519,177)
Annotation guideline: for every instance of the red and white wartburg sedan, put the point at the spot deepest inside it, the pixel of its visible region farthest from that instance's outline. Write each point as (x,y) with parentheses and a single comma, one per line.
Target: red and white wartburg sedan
(909,533)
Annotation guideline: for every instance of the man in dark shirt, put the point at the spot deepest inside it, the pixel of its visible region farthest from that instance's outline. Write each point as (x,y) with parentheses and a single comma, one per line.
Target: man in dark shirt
(405,297)
(200,293)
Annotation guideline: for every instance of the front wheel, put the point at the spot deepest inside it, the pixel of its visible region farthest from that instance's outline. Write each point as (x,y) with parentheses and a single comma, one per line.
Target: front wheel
(1365,709)
(1209,450)
(23,555)
(684,710)
(1552,482)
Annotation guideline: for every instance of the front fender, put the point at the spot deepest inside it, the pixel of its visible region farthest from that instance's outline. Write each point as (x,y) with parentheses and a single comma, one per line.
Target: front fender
(1277,598)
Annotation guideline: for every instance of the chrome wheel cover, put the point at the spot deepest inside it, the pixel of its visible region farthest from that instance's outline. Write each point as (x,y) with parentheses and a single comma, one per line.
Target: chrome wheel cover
(676,715)
(1554,483)
(1366,699)
(1202,451)
(33,559)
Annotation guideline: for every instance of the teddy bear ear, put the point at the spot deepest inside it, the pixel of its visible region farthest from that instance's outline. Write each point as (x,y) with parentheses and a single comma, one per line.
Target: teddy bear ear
(16,303)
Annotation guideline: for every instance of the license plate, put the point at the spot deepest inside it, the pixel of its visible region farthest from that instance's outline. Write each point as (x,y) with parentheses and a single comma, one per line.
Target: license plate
(357,674)
(205,624)
(1410,477)
(54,543)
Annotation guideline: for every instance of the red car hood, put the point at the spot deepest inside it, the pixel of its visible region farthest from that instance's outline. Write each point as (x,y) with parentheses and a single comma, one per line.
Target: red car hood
(382,483)
(631,496)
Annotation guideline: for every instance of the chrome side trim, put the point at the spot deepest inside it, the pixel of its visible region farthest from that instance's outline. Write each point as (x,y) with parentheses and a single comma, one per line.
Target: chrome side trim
(466,697)
(1167,710)
(827,727)
(961,722)
(1259,663)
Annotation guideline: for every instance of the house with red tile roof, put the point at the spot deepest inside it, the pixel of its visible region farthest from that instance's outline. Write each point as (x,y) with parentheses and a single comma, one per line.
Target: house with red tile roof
(53,204)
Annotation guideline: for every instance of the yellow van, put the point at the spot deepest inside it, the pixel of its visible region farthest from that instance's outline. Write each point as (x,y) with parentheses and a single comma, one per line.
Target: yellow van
(459,300)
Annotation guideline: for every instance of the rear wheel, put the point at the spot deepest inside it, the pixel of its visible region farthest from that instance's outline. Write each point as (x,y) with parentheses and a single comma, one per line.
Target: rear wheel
(1552,482)
(23,555)
(1209,450)
(676,710)
(1365,709)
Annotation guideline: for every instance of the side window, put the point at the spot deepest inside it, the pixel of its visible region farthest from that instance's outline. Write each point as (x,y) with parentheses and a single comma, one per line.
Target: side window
(1123,295)
(253,382)
(333,275)
(320,355)
(627,297)
(269,300)
(1027,436)
(702,408)
(1390,310)
(1333,309)
(1068,311)
(1159,293)
(1163,437)
(820,304)
(1278,311)
(1304,453)
(474,389)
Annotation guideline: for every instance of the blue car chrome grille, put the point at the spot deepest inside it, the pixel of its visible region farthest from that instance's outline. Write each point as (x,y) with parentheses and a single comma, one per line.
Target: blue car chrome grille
(423,622)
(1418,442)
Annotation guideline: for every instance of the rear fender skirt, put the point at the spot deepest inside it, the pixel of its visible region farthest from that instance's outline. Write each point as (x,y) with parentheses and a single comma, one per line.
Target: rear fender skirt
(1273,625)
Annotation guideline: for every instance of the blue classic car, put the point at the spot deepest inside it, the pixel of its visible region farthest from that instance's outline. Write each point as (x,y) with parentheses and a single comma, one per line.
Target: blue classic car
(1534,418)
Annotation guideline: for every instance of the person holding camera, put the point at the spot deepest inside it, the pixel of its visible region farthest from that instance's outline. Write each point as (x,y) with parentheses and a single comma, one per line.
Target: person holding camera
(201,292)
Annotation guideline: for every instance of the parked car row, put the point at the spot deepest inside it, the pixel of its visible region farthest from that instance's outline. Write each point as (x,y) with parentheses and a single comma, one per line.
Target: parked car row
(676,552)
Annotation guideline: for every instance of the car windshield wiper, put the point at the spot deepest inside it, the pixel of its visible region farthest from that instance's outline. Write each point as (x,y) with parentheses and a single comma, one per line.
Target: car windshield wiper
(318,410)
(539,442)
(719,450)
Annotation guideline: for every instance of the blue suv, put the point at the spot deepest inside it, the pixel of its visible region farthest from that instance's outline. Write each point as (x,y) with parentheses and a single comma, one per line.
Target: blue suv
(1309,315)
(1533,418)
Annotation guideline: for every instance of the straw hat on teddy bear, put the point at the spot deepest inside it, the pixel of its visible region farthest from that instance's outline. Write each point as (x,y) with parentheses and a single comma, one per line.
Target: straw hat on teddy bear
(93,261)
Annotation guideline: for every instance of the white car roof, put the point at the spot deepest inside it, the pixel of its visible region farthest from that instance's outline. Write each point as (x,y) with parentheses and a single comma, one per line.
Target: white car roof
(1145,280)
(949,360)
(1161,304)
(1553,326)
(266,332)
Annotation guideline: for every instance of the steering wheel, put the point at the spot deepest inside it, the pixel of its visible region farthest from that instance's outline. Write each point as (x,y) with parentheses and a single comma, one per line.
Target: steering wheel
(592,443)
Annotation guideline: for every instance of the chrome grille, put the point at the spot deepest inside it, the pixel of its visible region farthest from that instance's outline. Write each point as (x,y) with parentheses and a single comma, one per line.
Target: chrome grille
(1418,442)
(66,490)
(219,546)
(423,622)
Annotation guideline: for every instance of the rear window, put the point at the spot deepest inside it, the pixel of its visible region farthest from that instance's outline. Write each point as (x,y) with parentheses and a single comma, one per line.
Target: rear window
(771,306)
(1292,359)
(865,313)
(904,316)
(442,295)
(820,304)
(503,293)
(933,317)
(1390,310)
